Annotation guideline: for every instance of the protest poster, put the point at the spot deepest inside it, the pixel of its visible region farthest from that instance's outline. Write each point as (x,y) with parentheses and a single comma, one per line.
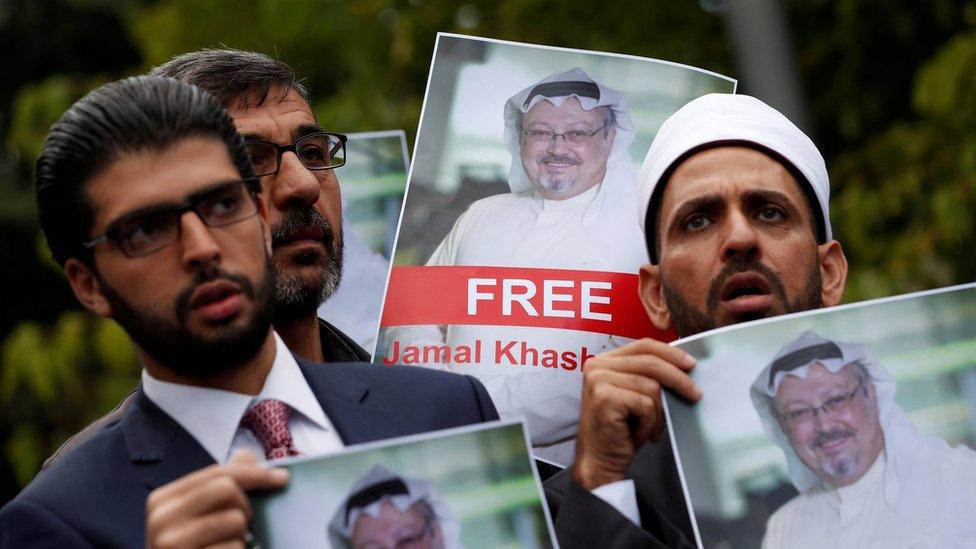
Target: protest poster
(517,252)
(373,182)
(468,487)
(852,426)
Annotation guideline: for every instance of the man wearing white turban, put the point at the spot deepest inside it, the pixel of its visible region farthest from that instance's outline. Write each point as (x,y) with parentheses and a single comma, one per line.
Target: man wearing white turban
(867,477)
(571,207)
(734,204)
(384,509)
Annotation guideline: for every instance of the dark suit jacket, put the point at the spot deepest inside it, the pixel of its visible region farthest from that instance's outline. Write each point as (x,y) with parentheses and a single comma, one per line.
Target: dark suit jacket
(336,347)
(584,520)
(95,496)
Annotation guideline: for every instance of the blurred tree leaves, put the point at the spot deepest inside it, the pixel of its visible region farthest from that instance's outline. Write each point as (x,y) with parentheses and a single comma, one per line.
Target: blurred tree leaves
(904,211)
(54,380)
(891,88)
(37,106)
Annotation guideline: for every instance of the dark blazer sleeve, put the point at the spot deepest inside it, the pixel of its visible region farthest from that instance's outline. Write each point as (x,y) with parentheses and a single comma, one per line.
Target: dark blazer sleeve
(24,523)
(485,405)
(582,519)
(88,432)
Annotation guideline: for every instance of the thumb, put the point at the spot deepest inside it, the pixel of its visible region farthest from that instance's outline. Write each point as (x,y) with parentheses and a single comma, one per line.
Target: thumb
(243,457)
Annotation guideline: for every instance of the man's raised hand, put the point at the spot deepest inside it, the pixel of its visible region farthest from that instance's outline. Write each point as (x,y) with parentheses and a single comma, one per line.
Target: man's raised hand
(209,507)
(621,406)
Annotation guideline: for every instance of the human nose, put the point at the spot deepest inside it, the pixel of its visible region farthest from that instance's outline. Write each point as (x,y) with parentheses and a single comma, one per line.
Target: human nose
(822,419)
(293,186)
(741,237)
(199,247)
(556,143)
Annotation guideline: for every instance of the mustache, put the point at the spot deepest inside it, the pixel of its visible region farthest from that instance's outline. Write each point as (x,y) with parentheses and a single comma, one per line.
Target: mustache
(830,436)
(208,275)
(299,220)
(561,158)
(742,263)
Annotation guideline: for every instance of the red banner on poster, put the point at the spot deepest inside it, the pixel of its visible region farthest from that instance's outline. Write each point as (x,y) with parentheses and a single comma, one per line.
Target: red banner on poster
(591,301)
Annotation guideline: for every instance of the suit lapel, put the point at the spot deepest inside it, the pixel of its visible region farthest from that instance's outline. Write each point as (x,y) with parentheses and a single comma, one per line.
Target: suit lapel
(358,410)
(159,447)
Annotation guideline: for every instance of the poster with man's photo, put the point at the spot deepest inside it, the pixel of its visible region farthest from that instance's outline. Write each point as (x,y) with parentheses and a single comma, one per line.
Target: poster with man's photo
(373,182)
(853,426)
(519,247)
(469,487)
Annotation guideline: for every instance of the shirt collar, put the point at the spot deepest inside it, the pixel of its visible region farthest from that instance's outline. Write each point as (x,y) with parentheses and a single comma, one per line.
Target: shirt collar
(579,201)
(212,416)
(862,487)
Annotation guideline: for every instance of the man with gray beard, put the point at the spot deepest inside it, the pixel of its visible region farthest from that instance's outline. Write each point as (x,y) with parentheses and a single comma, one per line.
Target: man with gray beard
(735,209)
(571,206)
(867,476)
(270,109)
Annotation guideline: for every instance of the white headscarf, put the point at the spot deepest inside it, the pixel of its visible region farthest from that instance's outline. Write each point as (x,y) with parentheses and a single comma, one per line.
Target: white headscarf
(620,181)
(719,117)
(901,438)
(389,487)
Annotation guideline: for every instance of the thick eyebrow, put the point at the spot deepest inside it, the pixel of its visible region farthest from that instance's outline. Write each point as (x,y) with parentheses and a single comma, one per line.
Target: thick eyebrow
(296,134)
(708,202)
(305,129)
(763,196)
(152,208)
(714,202)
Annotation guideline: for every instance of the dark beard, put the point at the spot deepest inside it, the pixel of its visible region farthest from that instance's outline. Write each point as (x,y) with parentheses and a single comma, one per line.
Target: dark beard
(688,320)
(183,351)
(295,297)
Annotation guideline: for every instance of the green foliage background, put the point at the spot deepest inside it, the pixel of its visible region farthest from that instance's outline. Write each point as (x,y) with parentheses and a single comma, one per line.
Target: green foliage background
(891,89)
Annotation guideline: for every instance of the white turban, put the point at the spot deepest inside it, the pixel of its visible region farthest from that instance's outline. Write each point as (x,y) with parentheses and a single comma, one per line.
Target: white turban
(719,118)
(381,485)
(620,180)
(901,437)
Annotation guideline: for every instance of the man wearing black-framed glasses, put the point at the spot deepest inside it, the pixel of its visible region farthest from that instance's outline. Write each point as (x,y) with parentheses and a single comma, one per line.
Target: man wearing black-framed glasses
(147,197)
(296,160)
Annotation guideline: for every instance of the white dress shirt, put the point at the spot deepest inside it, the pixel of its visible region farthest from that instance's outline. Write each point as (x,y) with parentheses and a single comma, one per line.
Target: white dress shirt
(585,232)
(934,509)
(213,416)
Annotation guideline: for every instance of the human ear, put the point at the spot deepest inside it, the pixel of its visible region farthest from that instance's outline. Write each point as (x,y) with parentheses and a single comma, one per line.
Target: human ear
(265,226)
(651,293)
(611,134)
(833,272)
(86,287)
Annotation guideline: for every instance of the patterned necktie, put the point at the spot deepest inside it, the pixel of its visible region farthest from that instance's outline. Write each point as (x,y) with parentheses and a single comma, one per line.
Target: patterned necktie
(268,420)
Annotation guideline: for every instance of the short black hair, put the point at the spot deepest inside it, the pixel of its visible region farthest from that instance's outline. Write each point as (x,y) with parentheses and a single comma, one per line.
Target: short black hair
(135,114)
(233,74)
(653,240)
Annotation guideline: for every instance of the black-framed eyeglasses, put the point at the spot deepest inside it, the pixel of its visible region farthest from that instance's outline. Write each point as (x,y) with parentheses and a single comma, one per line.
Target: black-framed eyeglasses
(573,137)
(151,229)
(831,406)
(316,151)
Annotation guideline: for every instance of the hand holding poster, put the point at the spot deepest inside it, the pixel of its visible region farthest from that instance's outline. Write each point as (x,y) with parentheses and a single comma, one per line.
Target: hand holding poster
(846,427)
(522,210)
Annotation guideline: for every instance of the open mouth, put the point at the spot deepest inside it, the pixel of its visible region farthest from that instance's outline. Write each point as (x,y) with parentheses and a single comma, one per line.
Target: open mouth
(744,285)
(558,162)
(747,295)
(833,443)
(217,300)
